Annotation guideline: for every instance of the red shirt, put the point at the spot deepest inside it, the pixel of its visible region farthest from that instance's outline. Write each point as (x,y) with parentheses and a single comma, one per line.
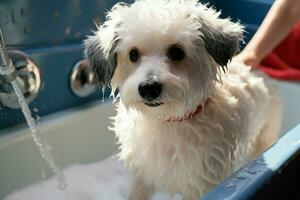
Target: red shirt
(284,61)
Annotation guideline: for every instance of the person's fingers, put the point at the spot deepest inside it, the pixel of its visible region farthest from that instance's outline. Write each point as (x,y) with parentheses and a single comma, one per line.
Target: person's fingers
(251,62)
(248,58)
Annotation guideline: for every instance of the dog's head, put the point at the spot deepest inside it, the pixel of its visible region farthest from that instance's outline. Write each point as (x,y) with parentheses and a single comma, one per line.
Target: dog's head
(164,56)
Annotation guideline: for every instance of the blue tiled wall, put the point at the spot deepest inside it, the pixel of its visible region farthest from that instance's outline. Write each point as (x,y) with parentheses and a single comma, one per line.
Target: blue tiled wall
(32,23)
(51,32)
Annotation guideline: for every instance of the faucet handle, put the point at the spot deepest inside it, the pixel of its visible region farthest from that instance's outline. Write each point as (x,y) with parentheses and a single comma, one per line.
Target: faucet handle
(28,79)
(82,80)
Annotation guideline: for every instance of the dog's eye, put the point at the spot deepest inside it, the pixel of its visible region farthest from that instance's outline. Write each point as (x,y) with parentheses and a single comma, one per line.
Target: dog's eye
(134,55)
(176,53)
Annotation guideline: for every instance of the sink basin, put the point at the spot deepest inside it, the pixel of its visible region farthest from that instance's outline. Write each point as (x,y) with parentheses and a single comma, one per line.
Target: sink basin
(81,136)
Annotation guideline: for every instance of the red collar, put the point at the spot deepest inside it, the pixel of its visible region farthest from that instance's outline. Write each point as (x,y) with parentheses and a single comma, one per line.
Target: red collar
(189,115)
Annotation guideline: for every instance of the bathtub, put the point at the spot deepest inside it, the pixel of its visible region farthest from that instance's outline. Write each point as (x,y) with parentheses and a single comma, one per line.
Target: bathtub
(77,128)
(81,136)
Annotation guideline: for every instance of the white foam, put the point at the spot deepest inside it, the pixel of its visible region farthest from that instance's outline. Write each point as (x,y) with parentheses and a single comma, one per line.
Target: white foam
(105,180)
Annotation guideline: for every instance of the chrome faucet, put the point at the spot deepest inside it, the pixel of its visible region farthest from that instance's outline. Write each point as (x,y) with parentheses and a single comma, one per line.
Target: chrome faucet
(17,66)
(7,70)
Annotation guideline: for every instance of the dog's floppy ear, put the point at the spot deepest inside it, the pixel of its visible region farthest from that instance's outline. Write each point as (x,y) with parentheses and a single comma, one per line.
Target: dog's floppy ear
(221,37)
(100,51)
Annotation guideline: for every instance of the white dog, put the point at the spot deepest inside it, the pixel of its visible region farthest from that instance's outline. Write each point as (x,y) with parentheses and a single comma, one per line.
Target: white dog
(186,118)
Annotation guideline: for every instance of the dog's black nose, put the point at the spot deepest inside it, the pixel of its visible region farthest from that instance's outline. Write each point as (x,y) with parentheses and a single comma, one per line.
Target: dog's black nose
(150,90)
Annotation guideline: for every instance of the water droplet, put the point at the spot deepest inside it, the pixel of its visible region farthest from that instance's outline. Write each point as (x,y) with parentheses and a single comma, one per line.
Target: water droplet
(103,93)
(230,185)
(241,176)
(38,120)
(68,30)
(78,34)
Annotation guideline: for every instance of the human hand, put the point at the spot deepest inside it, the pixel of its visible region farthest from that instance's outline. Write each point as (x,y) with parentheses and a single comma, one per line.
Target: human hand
(248,57)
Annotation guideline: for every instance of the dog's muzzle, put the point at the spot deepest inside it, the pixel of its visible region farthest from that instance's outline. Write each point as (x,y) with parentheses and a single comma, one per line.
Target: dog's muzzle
(150,91)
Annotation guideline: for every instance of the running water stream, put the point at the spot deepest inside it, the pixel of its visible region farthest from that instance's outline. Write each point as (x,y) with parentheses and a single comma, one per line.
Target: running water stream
(44,147)
(7,70)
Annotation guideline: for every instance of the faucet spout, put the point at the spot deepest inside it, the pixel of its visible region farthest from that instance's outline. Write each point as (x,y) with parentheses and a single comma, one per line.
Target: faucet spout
(21,69)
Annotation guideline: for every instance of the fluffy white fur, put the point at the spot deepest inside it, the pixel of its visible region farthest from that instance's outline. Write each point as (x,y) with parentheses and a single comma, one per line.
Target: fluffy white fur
(241,110)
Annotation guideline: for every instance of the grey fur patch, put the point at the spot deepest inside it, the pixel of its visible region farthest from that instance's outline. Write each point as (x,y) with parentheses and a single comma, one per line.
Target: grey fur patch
(220,45)
(104,68)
